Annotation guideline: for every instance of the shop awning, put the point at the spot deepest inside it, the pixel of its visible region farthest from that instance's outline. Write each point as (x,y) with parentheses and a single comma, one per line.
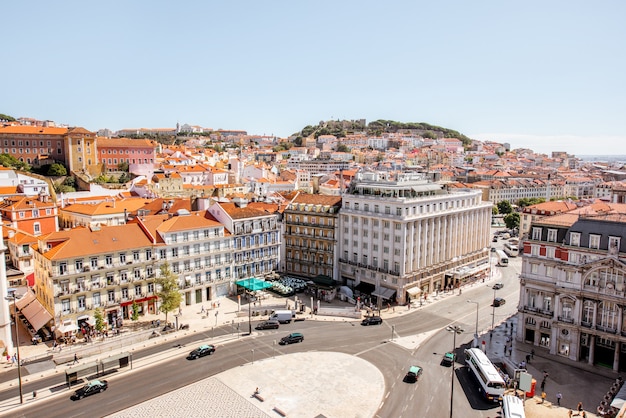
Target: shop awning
(33,311)
(322,279)
(384,292)
(365,287)
(68,328)
(253,284)
(414,291)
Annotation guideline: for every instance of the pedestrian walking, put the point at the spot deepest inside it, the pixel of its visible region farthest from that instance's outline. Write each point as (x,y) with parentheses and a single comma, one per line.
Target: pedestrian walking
(510,350)
(559,395)
(75,358)
(528,358)
(579,407)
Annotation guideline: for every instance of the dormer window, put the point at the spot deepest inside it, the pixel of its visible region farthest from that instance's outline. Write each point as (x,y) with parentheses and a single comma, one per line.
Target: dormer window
(551,235)
(536,234)
(574,239)
(594,241)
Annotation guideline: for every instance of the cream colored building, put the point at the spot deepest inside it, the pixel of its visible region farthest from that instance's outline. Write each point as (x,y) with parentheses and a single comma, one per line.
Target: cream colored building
(401,235)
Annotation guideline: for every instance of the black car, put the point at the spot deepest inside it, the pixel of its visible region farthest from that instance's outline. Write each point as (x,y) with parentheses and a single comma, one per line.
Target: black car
(95,386)
(203,350)
(499,302)
(294,337)
(271,324)
(372,320)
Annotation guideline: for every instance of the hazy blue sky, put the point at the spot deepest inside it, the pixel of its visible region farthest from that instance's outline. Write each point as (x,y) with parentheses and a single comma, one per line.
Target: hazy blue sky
(547,75)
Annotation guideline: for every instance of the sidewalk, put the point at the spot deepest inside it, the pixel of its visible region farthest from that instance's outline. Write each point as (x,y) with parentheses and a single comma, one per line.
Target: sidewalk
(227,312)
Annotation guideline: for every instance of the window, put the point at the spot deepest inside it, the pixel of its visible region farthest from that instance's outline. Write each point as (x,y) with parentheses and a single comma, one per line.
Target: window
(96,299)
(65,304)
(37,228)
(574,239)
(111,296)
(587,311)
(614,245)
(122,258)
(536,234)
(594,241)
(552,235)
(108,260)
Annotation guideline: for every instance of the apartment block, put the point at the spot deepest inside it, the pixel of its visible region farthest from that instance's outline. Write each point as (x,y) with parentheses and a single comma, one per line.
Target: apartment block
(402,235)
(573,288)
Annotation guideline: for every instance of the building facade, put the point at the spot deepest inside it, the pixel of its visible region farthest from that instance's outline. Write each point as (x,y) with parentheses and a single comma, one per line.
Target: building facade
(311,236)
(573,288)
(401,236)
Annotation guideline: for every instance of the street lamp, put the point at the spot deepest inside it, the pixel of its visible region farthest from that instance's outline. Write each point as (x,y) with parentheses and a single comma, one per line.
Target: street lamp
(493,308)
(454,329)
(476,333)
(12,296)
(249,314)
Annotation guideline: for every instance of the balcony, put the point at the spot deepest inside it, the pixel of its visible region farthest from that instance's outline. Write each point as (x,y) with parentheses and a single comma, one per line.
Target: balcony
(566,319)
(606,329)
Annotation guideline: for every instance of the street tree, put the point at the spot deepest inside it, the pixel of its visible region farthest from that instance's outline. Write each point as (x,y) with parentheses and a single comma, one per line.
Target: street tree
(100,324)
(512,220)
(135,315)
(168,290)
(505,207)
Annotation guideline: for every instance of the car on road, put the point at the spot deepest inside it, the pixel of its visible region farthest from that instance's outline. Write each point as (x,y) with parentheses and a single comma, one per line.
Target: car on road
(413,374)
(498,285)
(448,359)
(203,350)
(294,337)
(372,320)
(271,324)
(498,302)
(94,386)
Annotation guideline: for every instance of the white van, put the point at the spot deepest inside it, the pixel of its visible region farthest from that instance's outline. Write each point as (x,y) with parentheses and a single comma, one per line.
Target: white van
(512,407)
(284,317)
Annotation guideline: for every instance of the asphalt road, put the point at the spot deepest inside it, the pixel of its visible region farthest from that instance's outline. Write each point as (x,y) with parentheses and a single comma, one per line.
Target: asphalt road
(430,396)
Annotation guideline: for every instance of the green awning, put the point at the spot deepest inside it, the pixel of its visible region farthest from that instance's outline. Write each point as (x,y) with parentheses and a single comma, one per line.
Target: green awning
(323,280)
(253,284)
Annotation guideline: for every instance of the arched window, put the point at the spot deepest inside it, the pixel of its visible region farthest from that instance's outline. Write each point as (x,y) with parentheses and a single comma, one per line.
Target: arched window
(607,315)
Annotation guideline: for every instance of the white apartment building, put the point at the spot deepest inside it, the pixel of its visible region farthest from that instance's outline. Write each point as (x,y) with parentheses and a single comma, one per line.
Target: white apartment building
(402,236)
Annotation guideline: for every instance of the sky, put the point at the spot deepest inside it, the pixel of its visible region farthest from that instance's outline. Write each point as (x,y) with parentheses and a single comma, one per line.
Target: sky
(544,75)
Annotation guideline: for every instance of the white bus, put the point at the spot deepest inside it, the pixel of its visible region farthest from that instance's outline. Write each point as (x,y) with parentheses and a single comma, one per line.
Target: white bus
(512,407)
(503,259)
(511,250)
(491,382)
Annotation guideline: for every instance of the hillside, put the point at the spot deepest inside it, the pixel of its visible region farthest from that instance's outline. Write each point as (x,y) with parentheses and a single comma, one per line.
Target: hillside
(343,128)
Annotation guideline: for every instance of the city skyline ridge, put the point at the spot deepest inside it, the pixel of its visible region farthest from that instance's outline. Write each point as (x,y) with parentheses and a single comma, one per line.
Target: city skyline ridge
(540,76)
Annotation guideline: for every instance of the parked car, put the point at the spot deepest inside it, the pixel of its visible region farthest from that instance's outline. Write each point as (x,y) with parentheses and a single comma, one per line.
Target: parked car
(499,302)
(413,374)
(372,320)
(294,337)
(448,359)
(271,324)
(203,350)
(498,285)
(95,386)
